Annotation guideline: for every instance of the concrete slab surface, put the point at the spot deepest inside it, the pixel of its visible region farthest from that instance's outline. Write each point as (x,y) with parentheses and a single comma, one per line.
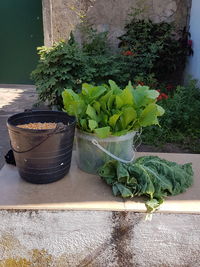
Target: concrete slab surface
(81,191)
(16,98)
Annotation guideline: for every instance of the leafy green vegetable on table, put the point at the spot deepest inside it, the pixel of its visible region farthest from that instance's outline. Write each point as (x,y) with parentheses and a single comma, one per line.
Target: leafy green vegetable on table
(108,110)
(148,176)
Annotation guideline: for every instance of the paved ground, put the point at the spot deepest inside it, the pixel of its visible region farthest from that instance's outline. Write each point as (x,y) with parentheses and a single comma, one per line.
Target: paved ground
(13,99)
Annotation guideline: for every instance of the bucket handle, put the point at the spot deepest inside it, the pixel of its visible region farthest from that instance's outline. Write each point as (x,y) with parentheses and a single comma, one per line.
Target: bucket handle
(96,143)
(138,134)
(30,149)
(56,130)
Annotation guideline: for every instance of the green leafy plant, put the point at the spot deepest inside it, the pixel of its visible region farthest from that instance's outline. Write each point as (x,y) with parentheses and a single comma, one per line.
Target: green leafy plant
(162,52)
(146,48)
(108,110)
(68,65)
(148,176)
(180,123)
(94,42)
(62,65)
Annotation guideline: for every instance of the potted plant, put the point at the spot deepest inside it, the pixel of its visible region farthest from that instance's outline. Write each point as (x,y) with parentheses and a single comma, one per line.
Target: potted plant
(107,120)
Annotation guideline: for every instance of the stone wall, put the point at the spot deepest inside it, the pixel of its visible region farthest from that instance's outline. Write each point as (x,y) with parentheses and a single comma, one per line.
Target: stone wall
(62,16)
(98,239)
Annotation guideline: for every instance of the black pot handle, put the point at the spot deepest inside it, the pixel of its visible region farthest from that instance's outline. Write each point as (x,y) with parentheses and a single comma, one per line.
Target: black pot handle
(58,129)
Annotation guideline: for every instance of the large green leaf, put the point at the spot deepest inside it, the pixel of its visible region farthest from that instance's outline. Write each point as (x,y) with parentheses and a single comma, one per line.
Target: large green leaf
(129,115)
(103,132)
(143,96)
(110,102)
(73,104)
(148,176)
(126,96)
(92,92)
(103,118)
(91,112)
(160,110)
(97,106)
(83,124)
(149,115)
(92,124)
(104,99)
(113,119)
(114,87)
(118,102)
(124,191)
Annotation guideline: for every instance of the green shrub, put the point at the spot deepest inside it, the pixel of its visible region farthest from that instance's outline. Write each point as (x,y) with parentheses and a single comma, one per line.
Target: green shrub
(156,45)
(68,65)
(147,47)
(180,123)
(60,66)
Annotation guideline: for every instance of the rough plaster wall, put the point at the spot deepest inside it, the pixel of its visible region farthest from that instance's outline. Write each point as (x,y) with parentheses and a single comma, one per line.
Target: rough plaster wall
(111,15)
(47,22)
(98,238)
(66,15)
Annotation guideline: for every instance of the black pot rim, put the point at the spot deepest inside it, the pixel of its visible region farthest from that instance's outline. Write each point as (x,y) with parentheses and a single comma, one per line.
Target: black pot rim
(47,112)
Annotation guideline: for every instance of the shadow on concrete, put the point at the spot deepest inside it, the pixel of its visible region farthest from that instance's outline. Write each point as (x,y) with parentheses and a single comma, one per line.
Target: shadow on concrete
(4,139)
(13,99)
(16,98)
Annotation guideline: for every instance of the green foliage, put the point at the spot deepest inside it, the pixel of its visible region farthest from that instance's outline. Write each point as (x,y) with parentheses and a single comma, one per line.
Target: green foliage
(107,110)
(95,43)
(162,53)
(60,66)
(148,176)
(67,65)
(147,47)
(180,123)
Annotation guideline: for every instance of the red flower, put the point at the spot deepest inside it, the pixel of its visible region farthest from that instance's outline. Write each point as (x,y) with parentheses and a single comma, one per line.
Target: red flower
(190,43)
(140,83)
(162,96)
(169,87)
(128,53)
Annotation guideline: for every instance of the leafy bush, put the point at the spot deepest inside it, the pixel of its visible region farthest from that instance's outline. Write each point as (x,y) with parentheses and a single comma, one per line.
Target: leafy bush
(180,123)
(68,65)
(60,66)
(94,43)
(156,44)
(147,47)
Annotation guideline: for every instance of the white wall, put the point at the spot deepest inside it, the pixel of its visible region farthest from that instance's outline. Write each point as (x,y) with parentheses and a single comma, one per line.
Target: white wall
(193,67)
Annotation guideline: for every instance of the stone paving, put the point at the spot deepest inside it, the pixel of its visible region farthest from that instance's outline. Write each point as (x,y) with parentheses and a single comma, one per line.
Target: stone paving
(16,98)
(13,99)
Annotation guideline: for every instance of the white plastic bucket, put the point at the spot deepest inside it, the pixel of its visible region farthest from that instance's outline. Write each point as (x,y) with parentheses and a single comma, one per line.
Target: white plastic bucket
(93,152)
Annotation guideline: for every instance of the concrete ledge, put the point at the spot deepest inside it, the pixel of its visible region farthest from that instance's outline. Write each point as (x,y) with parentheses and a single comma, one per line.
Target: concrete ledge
(82,191)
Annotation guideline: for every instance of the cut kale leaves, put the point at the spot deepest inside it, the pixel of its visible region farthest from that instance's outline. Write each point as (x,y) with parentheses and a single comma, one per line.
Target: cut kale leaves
(148,176)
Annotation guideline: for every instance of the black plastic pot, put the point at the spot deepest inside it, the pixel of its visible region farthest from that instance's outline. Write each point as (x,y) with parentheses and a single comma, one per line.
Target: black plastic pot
(42,156)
